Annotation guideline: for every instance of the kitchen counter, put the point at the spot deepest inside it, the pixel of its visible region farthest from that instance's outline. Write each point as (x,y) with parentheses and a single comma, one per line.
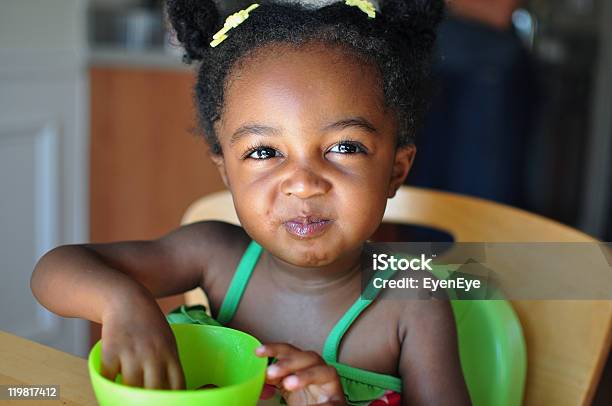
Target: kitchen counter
(109,56)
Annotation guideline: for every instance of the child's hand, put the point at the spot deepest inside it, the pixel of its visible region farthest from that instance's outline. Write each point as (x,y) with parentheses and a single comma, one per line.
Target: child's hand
(140,345)
(303,377)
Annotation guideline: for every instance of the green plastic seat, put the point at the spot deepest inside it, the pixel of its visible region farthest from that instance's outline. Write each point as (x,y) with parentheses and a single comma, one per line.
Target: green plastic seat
(492,351)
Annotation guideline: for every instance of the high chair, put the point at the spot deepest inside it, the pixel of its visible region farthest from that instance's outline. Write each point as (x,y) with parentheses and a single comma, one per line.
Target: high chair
(553,353)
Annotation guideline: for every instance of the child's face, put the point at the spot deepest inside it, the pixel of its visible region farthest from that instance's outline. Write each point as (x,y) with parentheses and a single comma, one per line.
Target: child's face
(324,147)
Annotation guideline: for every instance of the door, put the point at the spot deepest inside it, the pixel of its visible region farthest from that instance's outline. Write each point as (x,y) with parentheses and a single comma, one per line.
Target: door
(43,157)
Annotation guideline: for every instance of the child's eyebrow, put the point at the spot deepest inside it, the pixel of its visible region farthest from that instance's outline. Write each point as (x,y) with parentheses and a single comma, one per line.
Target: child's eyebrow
(267,131)
(257,129)
(358,122)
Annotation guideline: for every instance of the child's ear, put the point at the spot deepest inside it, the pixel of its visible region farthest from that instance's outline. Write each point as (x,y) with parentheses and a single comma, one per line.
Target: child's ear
(219,162)
(404,157)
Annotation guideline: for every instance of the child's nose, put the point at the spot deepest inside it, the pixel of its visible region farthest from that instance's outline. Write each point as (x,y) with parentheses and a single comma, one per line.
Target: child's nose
(304,183)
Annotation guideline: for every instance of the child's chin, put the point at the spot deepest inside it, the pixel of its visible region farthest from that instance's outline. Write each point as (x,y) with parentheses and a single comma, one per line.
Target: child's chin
(309,263)
(308,256)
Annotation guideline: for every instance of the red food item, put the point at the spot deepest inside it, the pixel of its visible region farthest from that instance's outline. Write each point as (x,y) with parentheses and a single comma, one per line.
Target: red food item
(394,399)
(389,399)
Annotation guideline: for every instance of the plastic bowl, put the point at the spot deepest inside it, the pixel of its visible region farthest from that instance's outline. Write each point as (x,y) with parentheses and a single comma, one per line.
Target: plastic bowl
(209,355)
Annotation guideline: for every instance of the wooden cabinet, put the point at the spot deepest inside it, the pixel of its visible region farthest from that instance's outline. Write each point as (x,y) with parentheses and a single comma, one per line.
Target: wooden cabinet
(148,162)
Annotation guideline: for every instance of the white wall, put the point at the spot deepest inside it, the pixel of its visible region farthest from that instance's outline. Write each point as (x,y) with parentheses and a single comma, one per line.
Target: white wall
(44,156)
(42,24)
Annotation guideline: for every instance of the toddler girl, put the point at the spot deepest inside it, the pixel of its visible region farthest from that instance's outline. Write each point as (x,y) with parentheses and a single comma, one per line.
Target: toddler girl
(310,113)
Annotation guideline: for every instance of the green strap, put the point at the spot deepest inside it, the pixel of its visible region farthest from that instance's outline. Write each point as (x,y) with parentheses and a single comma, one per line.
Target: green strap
(239,281)
(363,376)
(332,343)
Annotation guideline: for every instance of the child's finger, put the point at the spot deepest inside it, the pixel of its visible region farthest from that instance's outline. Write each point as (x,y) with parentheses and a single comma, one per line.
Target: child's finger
(316,375)
(299,360)
(110,367)
(278,350)
(175,376)
(131,372)
(154,375)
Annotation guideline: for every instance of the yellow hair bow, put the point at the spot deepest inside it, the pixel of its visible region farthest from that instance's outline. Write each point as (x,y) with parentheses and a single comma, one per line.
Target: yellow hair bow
(232,21)
(364,5)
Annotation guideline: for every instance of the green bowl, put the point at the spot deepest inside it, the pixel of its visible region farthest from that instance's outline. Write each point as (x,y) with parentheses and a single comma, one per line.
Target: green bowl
(209,355)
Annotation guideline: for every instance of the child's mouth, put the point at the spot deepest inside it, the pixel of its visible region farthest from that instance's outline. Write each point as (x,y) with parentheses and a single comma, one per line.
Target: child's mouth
(307,227)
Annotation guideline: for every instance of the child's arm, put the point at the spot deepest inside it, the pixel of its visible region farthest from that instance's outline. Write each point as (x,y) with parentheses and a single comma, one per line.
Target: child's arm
(429,361)
(116,284)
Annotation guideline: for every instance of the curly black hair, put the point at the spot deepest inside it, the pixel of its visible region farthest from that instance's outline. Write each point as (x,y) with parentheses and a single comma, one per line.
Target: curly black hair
(398,42)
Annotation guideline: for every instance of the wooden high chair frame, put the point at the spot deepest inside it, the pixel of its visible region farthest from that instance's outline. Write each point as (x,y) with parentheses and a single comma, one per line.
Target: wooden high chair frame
(564,364)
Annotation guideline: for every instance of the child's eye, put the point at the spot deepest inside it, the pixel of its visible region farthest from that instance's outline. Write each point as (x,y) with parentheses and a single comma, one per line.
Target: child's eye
(348,147)
(262,153)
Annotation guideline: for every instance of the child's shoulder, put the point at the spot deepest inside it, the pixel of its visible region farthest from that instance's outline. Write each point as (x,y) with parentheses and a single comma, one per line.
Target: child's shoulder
(218,246)
(214,232)
(215,241)
(417,315)
(419,309)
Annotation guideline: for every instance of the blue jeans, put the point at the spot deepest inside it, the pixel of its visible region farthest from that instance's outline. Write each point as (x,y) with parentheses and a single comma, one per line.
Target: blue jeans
(474,138)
